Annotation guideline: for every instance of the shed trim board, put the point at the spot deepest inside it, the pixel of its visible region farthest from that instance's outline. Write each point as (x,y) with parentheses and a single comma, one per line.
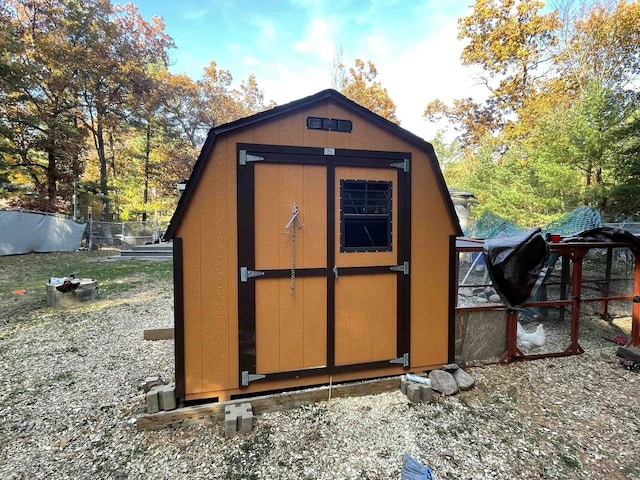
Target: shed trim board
(360,160)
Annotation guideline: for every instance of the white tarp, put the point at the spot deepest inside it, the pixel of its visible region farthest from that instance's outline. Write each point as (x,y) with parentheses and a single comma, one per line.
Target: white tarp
(25,232)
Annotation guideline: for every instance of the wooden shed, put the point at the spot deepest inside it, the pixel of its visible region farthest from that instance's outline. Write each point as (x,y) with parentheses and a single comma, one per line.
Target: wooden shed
(313,243)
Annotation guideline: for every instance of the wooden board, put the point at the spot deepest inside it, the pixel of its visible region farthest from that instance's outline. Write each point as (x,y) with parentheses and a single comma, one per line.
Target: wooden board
(264,404)
(158,334)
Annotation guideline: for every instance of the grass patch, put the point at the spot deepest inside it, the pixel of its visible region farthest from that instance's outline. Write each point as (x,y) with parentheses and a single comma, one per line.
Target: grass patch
(116,279)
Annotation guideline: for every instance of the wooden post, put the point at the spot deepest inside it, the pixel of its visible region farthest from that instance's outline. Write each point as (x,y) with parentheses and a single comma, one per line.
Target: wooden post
(604,305)
(635,309)
(574,346)
(511,350)
(564,278)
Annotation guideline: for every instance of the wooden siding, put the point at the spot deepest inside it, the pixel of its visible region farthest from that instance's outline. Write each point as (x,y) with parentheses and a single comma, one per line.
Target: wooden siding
(277,189)
(209,232)
(365,318)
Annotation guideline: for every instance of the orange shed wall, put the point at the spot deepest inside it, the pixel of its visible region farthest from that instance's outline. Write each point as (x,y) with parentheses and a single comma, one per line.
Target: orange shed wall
(209,232)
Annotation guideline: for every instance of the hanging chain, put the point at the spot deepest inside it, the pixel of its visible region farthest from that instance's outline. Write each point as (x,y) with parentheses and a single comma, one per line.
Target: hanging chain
(293,223)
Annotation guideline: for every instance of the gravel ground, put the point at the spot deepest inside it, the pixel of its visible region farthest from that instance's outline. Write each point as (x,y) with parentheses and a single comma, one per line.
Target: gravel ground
(70,390)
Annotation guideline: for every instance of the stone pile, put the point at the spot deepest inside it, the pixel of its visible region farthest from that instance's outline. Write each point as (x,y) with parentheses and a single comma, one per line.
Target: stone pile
(448,381)
(478,296)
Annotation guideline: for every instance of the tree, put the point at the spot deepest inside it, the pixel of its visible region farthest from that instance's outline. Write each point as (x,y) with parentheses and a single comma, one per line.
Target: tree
(39,109)
(560,124)
(361,86)
(119,45)
(509,40)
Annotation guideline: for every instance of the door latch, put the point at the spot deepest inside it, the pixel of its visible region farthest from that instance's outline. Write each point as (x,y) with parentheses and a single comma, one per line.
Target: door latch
(335,271)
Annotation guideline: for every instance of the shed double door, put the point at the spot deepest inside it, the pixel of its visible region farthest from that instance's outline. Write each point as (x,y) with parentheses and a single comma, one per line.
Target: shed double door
(323,260)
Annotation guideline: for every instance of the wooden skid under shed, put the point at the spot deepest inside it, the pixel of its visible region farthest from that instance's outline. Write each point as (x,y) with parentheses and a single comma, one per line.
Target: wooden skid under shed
(267,403)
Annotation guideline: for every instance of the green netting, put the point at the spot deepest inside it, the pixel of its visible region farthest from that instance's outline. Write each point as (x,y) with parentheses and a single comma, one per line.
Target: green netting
(490,225)
(578,220)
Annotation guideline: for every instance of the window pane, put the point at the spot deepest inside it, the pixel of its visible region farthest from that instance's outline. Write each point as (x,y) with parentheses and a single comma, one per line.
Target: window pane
(365,218)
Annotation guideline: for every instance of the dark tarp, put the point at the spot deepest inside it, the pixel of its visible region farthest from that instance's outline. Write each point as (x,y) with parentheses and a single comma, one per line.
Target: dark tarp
(604,235)
(514,264)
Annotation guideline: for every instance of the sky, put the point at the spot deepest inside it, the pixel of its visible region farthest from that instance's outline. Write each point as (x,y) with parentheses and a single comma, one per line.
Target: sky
(290,46)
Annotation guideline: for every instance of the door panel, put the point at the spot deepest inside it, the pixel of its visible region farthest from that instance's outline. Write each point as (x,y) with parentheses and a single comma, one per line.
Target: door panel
(291,335)
(277,188)
(366,298)
(366,316)
(346,306)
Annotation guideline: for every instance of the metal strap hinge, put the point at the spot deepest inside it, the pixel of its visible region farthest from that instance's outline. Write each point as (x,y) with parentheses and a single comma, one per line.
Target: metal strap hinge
(404,165)
(250,377)
(404,360)
(404,268)
(246,274)
(247,157)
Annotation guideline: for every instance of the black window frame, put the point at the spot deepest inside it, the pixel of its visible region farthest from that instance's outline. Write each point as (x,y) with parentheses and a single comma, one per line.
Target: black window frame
(366,216)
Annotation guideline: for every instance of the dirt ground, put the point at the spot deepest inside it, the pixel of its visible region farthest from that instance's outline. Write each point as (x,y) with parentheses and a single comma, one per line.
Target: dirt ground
(70,391)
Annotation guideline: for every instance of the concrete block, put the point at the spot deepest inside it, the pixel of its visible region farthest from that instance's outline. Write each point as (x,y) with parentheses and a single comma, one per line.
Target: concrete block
(417,392)
(413,392)
(426,394)
(238,418)
(153,405)
(403,384)
(167,396)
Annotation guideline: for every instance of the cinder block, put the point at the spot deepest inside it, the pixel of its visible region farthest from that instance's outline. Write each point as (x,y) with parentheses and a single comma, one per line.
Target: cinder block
(426,394)
(238,418)
(230,423)
(413,392)
(246,421)
(153,404)
(403,384)
(167,396)
(417,392)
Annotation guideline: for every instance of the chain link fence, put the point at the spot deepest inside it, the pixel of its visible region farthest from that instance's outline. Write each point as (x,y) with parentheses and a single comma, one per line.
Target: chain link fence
(122,235)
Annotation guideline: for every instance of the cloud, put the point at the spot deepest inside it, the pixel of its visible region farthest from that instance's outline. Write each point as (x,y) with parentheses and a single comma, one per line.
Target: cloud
(378,45)
(429,70)
(250,61)
(268,31)
(195,14)
(318,40)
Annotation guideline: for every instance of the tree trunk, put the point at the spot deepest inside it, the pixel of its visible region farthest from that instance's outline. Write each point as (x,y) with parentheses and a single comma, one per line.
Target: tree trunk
(104,186)
(52,181)
(112,156)
(147,154)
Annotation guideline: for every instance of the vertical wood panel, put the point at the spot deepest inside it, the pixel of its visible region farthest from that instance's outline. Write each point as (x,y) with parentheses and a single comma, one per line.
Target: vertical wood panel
(430,232)
(315,322)
(215,270)
(190,232)
(277,189)
(290,336)
(232,262)
(267,216)
(267,325)
(314,217)
(290,190)
(365,318)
